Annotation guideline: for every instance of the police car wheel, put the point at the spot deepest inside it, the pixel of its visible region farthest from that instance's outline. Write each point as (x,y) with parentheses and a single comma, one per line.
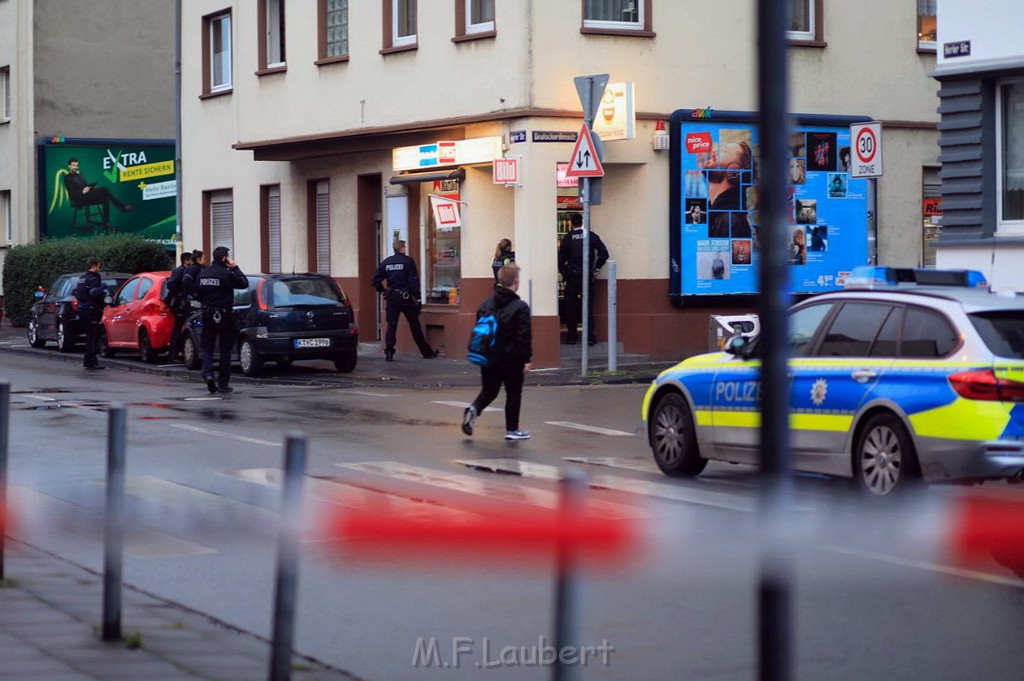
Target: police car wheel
(190,353)
(346,363)
(884,461)
(249,359)
(65,343)
(33,334)
(674,439)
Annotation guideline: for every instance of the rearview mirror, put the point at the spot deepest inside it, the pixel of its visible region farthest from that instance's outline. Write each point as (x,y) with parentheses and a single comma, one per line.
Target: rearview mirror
(738,346)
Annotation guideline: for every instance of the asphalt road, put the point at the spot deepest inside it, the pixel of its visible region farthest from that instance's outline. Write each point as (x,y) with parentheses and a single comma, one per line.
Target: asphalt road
(874,595)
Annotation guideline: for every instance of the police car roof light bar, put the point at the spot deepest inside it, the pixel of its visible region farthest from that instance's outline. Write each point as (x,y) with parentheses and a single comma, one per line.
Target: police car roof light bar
(872,276)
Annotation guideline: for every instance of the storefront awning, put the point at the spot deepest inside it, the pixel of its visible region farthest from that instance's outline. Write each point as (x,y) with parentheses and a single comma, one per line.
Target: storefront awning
(436,176)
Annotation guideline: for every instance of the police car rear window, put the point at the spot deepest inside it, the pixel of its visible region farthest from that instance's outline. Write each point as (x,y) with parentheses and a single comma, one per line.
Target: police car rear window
(1002,332)
(309,292)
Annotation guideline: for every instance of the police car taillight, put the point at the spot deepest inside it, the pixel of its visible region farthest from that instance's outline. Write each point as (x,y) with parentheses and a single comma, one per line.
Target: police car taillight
(74,304)
(260,300)
(983,384)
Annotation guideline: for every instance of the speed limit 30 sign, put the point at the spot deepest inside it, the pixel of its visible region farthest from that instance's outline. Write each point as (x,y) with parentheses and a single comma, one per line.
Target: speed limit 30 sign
(866,139)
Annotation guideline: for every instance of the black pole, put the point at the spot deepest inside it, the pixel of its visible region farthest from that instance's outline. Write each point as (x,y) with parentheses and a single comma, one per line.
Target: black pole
(774,588)
(113,544)
(567,587)
(286,587)
(5,432)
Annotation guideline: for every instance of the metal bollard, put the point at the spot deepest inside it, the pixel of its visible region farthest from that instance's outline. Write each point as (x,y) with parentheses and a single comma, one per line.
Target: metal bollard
(286,587)
(567,587)
(613,317)
(5,431)
(113,539)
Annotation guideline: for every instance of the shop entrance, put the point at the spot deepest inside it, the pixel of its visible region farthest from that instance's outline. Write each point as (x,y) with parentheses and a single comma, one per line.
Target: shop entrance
(567,196)
(370,191)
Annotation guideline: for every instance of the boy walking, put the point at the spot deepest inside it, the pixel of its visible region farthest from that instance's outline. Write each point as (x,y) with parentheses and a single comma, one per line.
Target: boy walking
(515,350)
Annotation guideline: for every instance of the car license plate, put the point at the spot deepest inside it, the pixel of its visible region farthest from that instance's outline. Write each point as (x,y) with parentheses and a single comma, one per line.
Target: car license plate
(312,342)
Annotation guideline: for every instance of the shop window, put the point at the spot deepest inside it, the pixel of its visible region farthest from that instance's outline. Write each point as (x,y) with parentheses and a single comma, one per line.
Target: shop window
(271,31)
(931,215)
(333,18)
(1010,157)
(444,245)
(399,25)
(221,220)
(5,94)
(474,19)
(805,21)
(217,53)
(617,17)
(270,226)
(926,24)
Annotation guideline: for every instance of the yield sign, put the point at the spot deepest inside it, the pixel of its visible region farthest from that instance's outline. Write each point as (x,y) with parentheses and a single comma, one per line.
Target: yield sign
(584,161)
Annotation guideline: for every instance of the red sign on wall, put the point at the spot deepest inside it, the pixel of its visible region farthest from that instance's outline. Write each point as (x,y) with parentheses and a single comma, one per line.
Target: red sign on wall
(932,206)
(698,142)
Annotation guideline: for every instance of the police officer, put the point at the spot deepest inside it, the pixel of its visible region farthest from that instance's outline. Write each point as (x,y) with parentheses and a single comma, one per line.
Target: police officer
(191,278)
(215,290)
(92,296)
(570,264)
(177,301)
(402,294)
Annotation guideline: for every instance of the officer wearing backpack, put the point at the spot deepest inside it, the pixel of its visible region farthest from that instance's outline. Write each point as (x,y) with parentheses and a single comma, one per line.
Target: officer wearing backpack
(506,360)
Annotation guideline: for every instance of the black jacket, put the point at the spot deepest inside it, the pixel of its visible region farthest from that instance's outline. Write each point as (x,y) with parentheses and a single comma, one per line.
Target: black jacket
(217,283)
(190,280)
(515,333)
(90,291)
(399,270)
(505,258)
(570,253)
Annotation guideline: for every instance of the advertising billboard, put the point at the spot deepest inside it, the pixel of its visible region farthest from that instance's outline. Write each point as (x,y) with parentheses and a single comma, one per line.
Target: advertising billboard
(89,187)
(715,224)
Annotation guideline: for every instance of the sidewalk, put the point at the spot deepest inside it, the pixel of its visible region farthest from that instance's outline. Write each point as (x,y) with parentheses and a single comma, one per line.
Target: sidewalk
(50,618)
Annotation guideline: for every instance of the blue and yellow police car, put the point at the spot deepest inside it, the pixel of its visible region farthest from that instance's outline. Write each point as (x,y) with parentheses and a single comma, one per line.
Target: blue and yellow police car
(903,375)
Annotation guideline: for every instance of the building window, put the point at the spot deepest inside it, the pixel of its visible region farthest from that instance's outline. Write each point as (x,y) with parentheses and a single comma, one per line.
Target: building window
(320,226)
(1010,156)
(270,227)
(6,220)
(271,30)
(333,29)
(222,220)
(926,25)
(805,21)
(217,53)
(399,24)
(479,16)
(5,93)
(616,15)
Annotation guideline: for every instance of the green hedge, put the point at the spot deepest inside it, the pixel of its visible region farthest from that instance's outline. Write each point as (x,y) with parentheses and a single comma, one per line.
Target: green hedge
(33,265)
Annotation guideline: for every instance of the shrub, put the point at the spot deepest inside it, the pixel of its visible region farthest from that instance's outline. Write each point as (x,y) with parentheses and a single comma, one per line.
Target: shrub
(30,266)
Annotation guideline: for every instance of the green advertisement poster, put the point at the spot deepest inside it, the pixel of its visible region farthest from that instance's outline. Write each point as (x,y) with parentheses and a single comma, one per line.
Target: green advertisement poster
(90,187)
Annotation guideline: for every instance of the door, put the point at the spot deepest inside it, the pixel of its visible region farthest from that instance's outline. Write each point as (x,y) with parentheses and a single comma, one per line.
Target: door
(370,236)
(120,327)
(134,313)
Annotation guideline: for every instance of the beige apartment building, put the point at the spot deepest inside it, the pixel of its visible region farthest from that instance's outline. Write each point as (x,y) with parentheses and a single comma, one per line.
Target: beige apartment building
(316,131)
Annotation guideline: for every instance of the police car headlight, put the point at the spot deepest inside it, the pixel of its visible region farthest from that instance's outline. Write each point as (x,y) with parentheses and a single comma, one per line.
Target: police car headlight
(262,332)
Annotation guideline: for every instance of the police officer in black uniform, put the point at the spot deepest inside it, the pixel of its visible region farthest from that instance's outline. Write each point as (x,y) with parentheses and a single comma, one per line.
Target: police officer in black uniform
(570,264)
(190,280)
(91,295)
(215,289)
(177,301)
(402,294)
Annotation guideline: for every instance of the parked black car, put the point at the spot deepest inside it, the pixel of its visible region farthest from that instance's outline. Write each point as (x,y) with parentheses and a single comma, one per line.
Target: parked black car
(283,318)
(54,316)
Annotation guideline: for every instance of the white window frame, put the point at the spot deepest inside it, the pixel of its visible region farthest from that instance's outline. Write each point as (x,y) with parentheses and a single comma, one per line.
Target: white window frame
(217,199)
(5,93)
(927,44)
(473,27)
(1004,227)
(637,25)
(810,33)
(215,23)
(275,33)
(404,40)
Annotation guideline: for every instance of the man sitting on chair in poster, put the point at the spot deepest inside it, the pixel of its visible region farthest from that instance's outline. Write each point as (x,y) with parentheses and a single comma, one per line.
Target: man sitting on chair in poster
(84,193)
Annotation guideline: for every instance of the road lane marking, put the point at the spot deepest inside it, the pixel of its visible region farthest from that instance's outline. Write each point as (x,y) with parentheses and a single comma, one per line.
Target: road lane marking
(590,429)
(931,567)
(461,405)
(659,490)
(644,465)
(229,436)
(368,394)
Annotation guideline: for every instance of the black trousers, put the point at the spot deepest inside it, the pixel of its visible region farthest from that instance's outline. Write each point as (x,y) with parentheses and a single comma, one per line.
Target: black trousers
(491,378)
(398,306)
(91,319)
(574,308)
(175,349)
(220,334)
(101,196)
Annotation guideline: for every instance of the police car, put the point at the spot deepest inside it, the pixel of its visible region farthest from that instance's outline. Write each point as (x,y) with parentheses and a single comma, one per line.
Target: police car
(903,375)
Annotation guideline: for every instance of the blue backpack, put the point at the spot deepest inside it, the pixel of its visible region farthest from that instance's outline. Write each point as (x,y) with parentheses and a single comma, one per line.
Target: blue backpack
(483,345)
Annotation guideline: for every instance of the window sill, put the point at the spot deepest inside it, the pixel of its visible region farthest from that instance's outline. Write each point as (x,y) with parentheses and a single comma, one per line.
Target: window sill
(340,59)
(4,121)
(443,308)
(400,48)
(927,49)
(621,32)
(483,35)
(803,42)
(271,70)
(218,93)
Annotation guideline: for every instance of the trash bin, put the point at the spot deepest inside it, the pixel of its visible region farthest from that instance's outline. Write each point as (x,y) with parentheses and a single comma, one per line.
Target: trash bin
(723,327)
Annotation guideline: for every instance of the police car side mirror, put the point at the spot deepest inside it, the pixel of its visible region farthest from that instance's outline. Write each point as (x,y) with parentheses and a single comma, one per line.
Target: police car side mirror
(738,346)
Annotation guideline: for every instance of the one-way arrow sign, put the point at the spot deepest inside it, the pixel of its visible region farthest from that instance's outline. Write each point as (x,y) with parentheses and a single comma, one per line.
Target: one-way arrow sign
(584,161)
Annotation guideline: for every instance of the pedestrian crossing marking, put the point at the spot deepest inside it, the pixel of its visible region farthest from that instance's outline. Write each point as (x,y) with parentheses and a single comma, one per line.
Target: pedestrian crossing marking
(590,429)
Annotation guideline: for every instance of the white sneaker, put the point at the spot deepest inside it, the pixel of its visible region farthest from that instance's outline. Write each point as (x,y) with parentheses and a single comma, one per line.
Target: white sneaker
(517,435)
(468,418)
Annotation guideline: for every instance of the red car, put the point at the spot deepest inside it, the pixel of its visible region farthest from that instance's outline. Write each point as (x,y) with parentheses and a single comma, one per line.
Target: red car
(138,319)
